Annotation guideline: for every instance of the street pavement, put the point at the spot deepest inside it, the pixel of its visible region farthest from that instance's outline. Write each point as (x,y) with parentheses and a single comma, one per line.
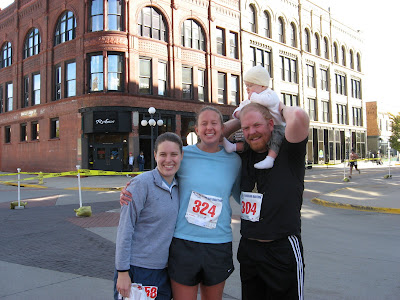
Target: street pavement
(46,252)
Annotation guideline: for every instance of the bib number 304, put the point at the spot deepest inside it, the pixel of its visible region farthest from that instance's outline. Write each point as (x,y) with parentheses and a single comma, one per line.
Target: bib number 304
(251,206)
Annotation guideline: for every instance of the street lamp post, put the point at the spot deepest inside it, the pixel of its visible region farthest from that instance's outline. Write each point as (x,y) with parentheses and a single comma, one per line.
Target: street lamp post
(152,122)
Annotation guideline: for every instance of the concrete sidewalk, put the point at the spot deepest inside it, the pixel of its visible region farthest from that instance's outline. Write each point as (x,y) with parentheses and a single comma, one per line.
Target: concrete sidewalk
(46,252)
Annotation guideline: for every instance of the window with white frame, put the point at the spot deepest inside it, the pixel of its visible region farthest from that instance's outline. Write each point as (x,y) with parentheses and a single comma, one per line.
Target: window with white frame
(193,35)
(32,43)
(324,80)
(6,55)
(312,109)
(221,88)
(201,85)
(311,76)
(152,24)
(289,69)
(187,83)
(325,111)
(261,57)
(233,45)
(162,78)
(9,97)
(234,96)
(36,89)
(356,88)
(220,33)
(340,84)
(341,113)
(357,118)
(145,78)
(267,24)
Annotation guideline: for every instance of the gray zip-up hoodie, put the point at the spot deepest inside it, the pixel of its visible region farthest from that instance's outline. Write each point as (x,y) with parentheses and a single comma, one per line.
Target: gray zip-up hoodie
(147,224)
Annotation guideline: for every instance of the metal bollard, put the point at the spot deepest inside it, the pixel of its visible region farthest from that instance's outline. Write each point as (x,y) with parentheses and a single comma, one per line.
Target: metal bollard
(40,178)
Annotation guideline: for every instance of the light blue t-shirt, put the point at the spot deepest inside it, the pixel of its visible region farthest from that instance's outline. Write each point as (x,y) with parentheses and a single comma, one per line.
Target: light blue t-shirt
(214,174)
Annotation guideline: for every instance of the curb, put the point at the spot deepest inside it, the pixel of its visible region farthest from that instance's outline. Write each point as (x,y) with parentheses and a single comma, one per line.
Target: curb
(95,189)
(355,207)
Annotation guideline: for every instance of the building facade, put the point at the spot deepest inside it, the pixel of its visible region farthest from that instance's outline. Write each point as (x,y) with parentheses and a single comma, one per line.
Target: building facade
(77,77)
(379,129)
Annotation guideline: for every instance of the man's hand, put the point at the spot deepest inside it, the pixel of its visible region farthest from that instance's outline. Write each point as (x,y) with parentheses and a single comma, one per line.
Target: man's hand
(124,284)
(125,197)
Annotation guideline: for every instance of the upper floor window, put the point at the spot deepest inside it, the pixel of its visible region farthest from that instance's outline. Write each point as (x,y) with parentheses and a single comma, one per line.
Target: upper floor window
(317,46)
(234,96)
(221,88)
(1,99)
(233,45)
(201,85)
(335,53)
(312,109)
(281,30)
(356,88)
(112,79)
(145,76)
(326,48)
(311,76)
(105,15)
(307,46)
(162,78)
(261,57)
(152,24)
(340,84)
(324,80)
(6,55)
(187,83)
(221,41)
(267,24)
(358,62)
(70,79)
(352,59)
(252,18)
(9,97)
(289,69)
(36,89)
(293,35)
(192,35)
(290,100)
(325,111)
(341,113)
(32,43)
(357,120)
(343,56)
(65,30)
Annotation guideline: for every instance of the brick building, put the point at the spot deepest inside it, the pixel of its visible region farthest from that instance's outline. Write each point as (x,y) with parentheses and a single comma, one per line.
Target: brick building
(379,129)
(77,77)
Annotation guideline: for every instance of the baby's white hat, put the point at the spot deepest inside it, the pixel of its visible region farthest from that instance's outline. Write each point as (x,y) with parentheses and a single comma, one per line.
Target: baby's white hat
(257,75)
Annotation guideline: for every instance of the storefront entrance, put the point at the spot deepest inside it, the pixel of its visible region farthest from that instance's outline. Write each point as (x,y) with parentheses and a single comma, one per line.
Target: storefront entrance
(108,157)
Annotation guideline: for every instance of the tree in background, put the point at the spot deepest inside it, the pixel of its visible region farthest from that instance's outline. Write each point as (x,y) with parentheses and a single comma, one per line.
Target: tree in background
(395,137)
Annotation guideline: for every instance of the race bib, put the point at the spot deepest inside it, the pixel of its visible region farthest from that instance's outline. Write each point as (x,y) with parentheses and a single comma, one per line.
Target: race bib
(203,210)
(251,206)
(140,292)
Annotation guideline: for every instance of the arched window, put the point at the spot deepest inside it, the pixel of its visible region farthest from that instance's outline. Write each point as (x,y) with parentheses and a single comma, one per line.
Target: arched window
(293,35)
(152,24)
(6,55)
(252,18)
(65,30)
(317,47)
(281,30)
(267,24)
(326,48)
(335,53)
(307,46)
(32,43)
(105,15)
(352,59)
(358,62)
(192,35)
(343,56)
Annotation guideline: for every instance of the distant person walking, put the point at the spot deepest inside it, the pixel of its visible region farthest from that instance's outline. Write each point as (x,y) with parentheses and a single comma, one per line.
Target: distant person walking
(353,162)
(131,159)
(141,161)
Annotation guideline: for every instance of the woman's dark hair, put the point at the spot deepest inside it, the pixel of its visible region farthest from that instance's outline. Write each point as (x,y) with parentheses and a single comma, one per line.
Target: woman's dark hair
(170,137)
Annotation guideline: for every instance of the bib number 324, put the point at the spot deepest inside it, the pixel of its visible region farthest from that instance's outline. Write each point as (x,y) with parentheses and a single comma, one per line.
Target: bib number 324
(203,210)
